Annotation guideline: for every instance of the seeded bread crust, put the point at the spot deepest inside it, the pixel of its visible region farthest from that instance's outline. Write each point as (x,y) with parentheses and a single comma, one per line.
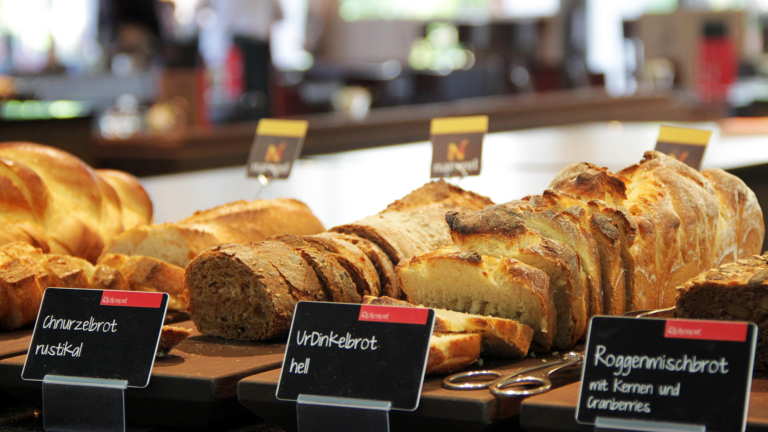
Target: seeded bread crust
(733,292)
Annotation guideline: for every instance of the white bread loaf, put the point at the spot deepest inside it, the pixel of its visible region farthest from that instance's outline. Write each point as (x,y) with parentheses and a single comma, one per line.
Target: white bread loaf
(54,201)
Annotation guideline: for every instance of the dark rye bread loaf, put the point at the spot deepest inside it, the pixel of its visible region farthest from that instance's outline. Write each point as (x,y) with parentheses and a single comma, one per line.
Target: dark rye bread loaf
(734,292)
(235,292)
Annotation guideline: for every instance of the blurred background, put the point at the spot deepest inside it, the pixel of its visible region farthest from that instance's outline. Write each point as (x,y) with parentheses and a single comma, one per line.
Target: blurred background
(155,86)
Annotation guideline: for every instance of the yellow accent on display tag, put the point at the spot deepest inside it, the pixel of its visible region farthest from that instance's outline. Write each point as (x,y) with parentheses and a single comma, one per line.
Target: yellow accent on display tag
(683,144)
(282,128)
(679,135)
(458,125)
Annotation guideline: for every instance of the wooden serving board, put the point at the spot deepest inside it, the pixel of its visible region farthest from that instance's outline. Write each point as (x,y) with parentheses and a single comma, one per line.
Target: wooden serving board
(439,408)
(194,386)
(556,410)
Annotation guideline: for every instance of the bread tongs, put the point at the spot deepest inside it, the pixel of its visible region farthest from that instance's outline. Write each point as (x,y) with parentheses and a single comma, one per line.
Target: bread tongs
(525,381)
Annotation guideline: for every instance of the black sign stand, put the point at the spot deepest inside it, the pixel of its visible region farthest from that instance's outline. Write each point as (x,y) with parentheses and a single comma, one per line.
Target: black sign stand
(83,404)
(327,414)
(603,424)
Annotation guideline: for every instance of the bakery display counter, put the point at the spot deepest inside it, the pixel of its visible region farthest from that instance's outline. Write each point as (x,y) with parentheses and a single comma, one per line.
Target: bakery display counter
(556,411)
(228,144)
(439,408)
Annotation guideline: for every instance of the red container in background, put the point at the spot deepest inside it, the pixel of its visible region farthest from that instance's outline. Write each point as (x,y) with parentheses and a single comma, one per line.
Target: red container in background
(717,64)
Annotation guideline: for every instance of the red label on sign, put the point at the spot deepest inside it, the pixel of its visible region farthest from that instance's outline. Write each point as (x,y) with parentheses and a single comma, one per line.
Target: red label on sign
(132,299)
(393,314)
(706,330)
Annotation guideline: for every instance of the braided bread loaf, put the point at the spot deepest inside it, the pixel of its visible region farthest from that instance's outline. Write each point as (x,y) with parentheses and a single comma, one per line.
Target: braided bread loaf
(54,201)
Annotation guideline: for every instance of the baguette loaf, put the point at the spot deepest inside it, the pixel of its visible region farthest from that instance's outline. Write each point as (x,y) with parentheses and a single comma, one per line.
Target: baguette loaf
(54,201)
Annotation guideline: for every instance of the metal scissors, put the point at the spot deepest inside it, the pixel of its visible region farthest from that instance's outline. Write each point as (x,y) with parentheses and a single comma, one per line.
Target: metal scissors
(520,382)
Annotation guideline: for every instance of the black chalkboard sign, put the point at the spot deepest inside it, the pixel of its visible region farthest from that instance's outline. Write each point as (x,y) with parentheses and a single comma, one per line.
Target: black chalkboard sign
(357,351)
(96,334)
(681,371)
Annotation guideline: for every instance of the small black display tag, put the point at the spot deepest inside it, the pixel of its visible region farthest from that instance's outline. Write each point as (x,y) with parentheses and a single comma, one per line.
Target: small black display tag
(457,146)
(277,144)
(357,351)
(676,371)
(96,334)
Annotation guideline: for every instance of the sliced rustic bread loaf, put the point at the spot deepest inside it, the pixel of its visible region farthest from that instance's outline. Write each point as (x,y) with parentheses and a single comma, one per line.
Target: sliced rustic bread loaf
(504,234)
(384,268)
(463,281)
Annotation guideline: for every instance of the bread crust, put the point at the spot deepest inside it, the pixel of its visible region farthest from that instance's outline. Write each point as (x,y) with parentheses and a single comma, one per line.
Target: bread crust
(450,352)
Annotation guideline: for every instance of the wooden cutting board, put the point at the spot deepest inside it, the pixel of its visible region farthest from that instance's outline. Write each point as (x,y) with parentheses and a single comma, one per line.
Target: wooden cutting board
(556,410)
(439,408)
(15,342)
(194,386)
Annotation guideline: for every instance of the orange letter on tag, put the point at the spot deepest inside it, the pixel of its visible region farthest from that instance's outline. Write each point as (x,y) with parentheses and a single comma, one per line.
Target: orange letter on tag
(274,153)
(457,152)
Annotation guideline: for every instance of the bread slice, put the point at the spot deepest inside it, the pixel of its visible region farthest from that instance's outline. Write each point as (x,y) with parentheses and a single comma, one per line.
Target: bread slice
(501,337)
(301,278)
(384,268)
(450,352)
(463,281)
(504,234)
(354,261)
(604,193)
(337,283)
(606,237)
(170,337)
(235,293)
(562,227)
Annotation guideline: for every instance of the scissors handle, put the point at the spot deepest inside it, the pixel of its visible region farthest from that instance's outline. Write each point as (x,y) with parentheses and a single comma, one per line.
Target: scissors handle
(451,382)
(531,383)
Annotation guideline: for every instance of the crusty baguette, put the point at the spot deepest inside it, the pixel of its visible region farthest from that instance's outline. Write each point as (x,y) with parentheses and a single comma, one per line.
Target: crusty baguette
(501,337)
(463,281)
(55,201)
(450,352)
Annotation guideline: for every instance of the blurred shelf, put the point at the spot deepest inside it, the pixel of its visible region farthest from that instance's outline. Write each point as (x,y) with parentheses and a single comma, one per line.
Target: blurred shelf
(228,144)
